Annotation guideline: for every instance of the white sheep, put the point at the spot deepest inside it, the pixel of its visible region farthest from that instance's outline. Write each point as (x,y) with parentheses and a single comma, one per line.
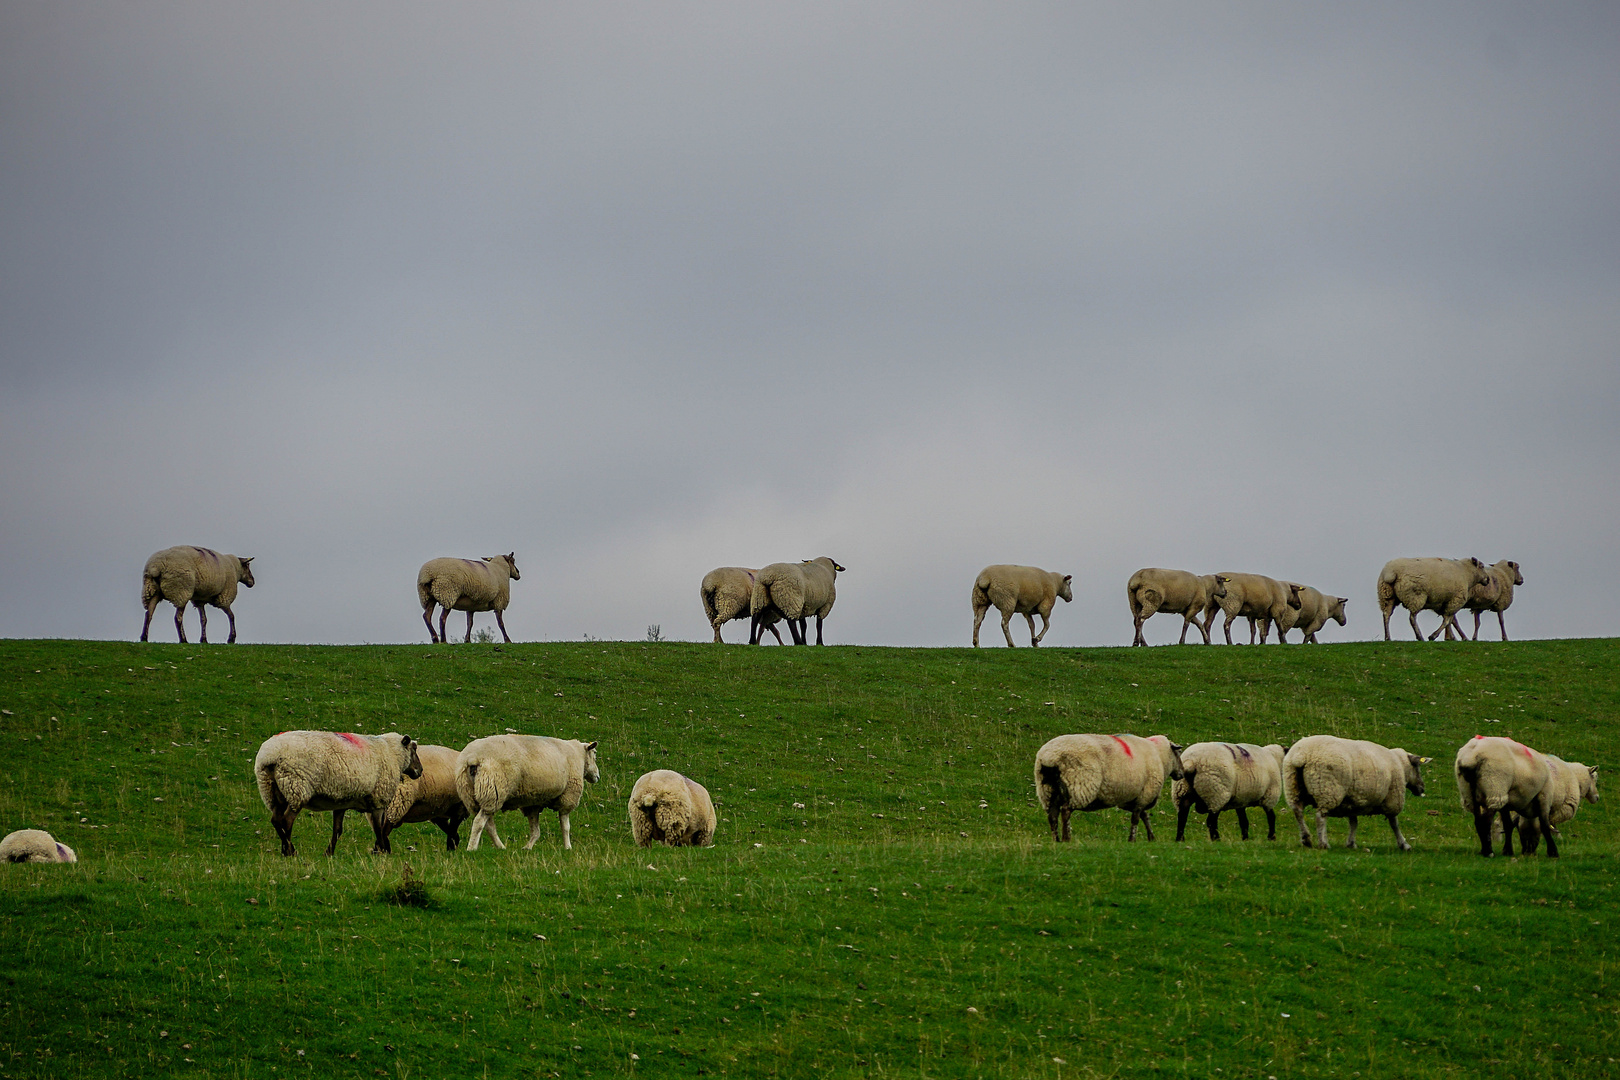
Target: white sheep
(530,773)
(1502,776)
(1095,772)
(1431,584)
(1178,592)
(794,591)
(466,585)
(34,845)
(1493,597)
(1314,610)
(193,575)
(1256,597)
(1019,590)
(728,593)
(331,770)
(1220,776)
(1349,778)
(668,808)
(1569,784)
(429,797)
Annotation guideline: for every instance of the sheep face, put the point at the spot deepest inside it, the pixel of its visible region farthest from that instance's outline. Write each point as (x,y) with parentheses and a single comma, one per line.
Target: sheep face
(1518,578)
(1219,591)
(1293,594)
(413,764)
(1336,609)
(1064,590)
(1482,573)
(1176,771)
(1414,778)
(592,773)
(246,577)
(511,561)
(1589,788)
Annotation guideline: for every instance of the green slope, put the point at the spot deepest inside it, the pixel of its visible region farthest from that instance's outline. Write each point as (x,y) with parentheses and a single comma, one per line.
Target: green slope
(912,916)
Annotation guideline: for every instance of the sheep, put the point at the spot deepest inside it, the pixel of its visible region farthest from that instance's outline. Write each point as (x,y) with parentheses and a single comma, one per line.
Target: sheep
(794,591)
(1568,784)
(1501,776)
(1349,778)
(1229,776)
(1095,772)
(336,771)
(671,809)
(35,845)
(728,592)
(1019,590)
(1442,585)
(1152,590)
(1255,597)
(1315,609)
(466,585)
(193,575)
(429,797)
(1493,597)
(523,772)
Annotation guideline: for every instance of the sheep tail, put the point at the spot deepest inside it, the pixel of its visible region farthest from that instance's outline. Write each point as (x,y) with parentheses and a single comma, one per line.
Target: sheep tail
(1469,775)
(149,589)
(1052,785)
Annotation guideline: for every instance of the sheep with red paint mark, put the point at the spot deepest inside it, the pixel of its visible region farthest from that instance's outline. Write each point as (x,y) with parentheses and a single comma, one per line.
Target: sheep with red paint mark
(1229,776)
(1097,772)
(336,771)
(466,585)
(34,846)
(1499,776)
(1350,778)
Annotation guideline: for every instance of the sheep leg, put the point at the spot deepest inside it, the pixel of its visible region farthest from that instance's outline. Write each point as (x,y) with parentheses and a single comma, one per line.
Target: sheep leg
(774,633)
(818,629)
(1299,819)
(1507,832)
(180,622)
(337,831)
(1227,627)
(1203,627)
(231,640)
(1185,622)
(468,638)
(1552,835)
(803,635)
(1271,824)
(427,617)
(281,818)
(1146,824)
(534,829)
(380,829)
(1500,622)
(500,622)
(1321,829)
(1006,618)
(1243,822)
(1054,815)
(1211,823)
(481,821)
(1033,640)
(568,841)
(1183,808)
(1132,835)
(978,617)
(1529,835)
(1066,812)
(444,613)
(202,617)
(1265,630)
(151,609)
(1046,624)
(1350,843)
(1412,615)
(1395,827)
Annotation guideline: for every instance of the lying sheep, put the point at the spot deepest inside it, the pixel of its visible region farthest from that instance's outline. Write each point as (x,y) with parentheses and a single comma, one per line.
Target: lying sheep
(530,773)
(1178,592)
(1569,783)
(1095,772)
(466,585)
(1349,778)
(1501,776)
(34,845)
(1442,585)
(336,771)
(429,797)
(193,575)
(668,808)
(1493,597)
(1019,590)
(1260,599)
(1229,776)
(728,593)
(794,591)
(1314,611)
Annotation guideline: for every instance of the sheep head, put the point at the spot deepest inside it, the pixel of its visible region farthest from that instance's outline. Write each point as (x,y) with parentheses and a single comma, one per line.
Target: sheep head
(1589,788)
(1482,573)
(1518,578)
(246,576)
(1336,609)
(1219,591)
(1293,594)
(1414,778)
(413,764)
(592,773)
(1064,590)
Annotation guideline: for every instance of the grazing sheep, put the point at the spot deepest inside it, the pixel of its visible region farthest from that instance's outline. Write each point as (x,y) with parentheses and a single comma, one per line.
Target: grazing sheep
(429,797)
(1349,778)
(1314,611)
(1442,585)
(34,845)
(466,585)
(1178,592)
(1569,783)
(1493,597)
(1019,590)
(668,808)
(1095,772)
(794,591)
(1501,776)
(193,575)
(1255,597)
(523,772)
(1229,776)
(728,593)
(336,771)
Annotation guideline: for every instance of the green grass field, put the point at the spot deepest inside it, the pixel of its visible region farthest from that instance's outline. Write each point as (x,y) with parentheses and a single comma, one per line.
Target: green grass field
(883,898)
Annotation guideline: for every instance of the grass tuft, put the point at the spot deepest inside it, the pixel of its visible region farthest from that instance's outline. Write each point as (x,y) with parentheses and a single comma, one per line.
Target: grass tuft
(409,891)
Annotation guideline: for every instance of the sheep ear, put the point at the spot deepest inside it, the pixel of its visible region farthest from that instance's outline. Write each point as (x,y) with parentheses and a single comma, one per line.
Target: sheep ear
(244,559)
(591,745)
(1068,577)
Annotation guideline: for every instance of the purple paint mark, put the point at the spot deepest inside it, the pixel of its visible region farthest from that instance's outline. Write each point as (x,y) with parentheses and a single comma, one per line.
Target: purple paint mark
(1122,745)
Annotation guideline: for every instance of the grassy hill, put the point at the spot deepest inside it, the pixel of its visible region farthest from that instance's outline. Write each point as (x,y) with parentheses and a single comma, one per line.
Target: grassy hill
(883,896)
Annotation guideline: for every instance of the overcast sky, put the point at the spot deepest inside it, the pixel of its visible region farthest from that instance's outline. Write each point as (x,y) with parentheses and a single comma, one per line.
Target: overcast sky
(636,291)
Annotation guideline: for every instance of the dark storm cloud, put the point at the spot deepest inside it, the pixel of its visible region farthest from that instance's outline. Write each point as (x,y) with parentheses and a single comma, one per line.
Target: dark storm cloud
(638,291)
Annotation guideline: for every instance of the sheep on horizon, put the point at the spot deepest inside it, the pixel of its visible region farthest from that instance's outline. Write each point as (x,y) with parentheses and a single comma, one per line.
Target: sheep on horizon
(466,585)
(193,575)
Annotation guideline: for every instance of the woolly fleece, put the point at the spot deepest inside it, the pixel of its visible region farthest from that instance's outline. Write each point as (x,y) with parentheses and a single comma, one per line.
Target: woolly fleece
(668,808)
(1096,772)
(329,770)
(530,773)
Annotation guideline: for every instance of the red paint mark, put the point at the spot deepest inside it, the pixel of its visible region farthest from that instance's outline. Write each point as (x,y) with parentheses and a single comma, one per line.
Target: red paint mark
(1479,736)
(1523,747)
(355,739)
(1122,745)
